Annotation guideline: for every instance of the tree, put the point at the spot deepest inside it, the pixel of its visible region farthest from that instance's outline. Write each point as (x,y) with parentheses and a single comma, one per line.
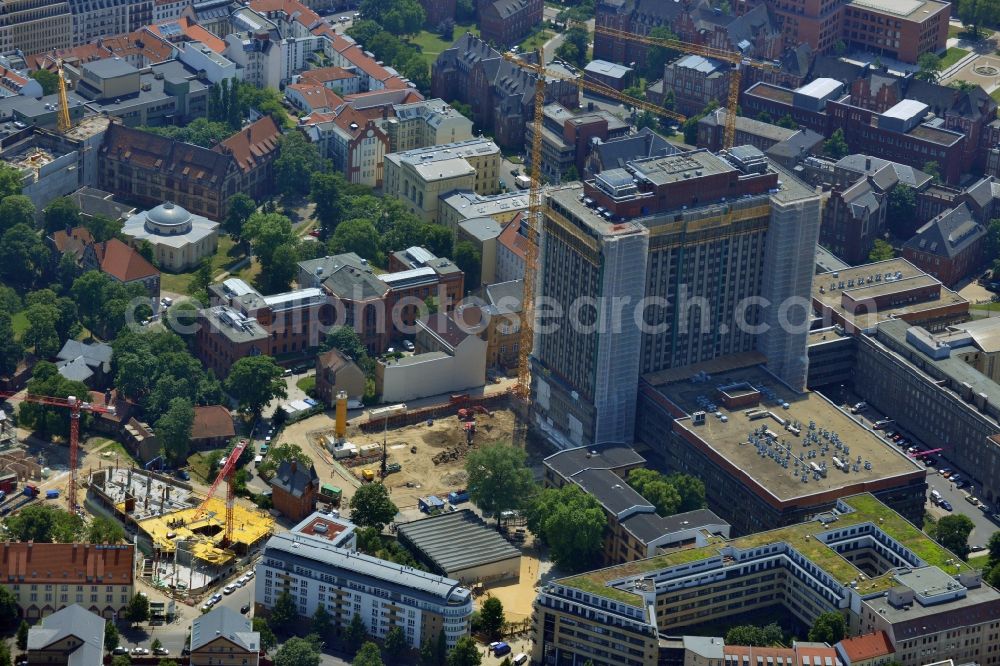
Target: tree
(492,618)
(932,169)
(881,250)
(465,653)
(155,645)
(284,614)
(829,627)
(266,232)
(439,239)
(787,122)
(930,67)
(574,47)
(754,636)
(103,228)
(297,652)
(281,270)
(23,255)
(836,146)
(16,209)
(901,211)
(571,522)
(658,56)
(369,655)
(992,576)
(993,545)
(468,258)
(105,530)
(61,214)
(372,507)
(355,634)
(326,190)
(11,180)
(977,13)
(359,236)
(201,279)
(48,80)
(138,608)
(953,533)
(498,480)
(322,623)
(241,207)
(22,636)
(655,488)
(173,430)
(395,644)
(46,420)
(691,489)
(298,158)
(121,660)
(254,381)
(427,656)
(267,638)
(11,351)
(110,636)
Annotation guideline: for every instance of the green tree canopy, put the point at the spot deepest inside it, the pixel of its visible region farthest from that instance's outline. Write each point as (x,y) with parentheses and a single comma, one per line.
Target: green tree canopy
(836,146)
(829,627)
(371,506)
(881,250)
(48,80)
(267,638)
(901,211)
(953,533)
(571,522)
(297,159)
(254,381)
(23,256)
(173,430)
(978,13)
(284,614)
(241,207)
(499,479)
(11,180)
(465,653)
(468,258)
(297,652)
(105,530)
(574,46)
(930,67)
(266,233)
(44,523)
(395,644)
(61,214)
(355,634)
(46,420)
(110,636)
(369,655)
(138,608)
(359,236)
(754,636)
(492,618)
(11,351)
(326,191)
(16,209)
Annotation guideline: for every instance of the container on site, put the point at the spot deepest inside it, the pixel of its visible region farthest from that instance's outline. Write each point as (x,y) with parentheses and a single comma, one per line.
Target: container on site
(30,490)
(51,494)
(8,482)
(458,496)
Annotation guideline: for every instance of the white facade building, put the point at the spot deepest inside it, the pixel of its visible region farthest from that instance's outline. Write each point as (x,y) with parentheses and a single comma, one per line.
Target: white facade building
(199,57)
(169,10)
(98,18)
(315,571)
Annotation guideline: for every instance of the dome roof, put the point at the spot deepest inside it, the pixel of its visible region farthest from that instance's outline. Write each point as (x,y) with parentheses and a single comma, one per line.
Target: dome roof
(168,214)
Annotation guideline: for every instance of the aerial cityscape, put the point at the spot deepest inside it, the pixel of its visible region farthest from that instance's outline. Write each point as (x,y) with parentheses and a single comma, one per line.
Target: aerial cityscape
(500,332)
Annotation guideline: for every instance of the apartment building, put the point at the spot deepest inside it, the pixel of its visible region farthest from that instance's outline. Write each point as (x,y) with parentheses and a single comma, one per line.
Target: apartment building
(47,577)
(430,122)
(861,559)
(691,226)
(500,94)
(503,330)
(243,322)
(749,482)
(269,47)
(98,18)
(568,138)
(34,26)
(419,177)
(457,207)
(507,22)
(382,308)
(312,566)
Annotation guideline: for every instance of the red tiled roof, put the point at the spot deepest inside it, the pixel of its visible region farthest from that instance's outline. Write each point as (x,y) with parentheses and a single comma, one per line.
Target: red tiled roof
(868,646)
(252,143)
(123,408)
(191,31)
(512,240)
(123,262)
(326,74)
(74,241)
(66,563)
(317,96)
(211,422)
(143,42)
(294,9)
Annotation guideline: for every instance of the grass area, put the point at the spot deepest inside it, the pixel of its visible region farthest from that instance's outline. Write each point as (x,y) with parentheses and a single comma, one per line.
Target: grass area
(951,56)
(801,537)
(201,464)
(227,254)
(536,40)
(109,448)
(19,322)
(431,45)
(978,306)
(979,561)
(307,384)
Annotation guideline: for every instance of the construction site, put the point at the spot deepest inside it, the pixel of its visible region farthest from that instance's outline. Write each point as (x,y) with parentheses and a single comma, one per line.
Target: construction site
(183,535)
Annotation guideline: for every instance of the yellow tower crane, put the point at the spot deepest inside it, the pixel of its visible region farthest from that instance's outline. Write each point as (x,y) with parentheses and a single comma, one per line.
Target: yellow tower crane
(63,120)
(737,60)
(526,339)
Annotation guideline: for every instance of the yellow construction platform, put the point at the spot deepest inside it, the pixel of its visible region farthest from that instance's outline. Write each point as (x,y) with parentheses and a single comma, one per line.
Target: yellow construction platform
(207,529)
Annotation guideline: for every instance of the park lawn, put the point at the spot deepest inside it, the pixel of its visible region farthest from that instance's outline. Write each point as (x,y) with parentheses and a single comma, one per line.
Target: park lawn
(19,322)
(536,40)
(227,254)
(951,56)
(431,45)
(307,384)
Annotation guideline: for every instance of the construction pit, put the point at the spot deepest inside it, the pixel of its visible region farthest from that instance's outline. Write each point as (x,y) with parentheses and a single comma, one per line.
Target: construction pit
(431,453)
(168,516)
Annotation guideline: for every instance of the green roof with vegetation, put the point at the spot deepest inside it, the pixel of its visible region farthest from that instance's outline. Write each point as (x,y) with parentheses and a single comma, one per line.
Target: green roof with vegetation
(801,537)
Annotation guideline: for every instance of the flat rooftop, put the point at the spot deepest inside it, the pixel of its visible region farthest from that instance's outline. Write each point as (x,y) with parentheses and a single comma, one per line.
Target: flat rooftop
(771,92)
(914,10)
(684,166)
(469,204)
(936,135)
(765,410)
(904,277)
(806,538)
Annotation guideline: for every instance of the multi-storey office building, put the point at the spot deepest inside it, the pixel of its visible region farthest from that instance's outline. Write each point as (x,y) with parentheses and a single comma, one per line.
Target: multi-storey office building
(651,267)
(317,570)
(429,122)
(34,26)
(98,18)
(769,456)
(861,559)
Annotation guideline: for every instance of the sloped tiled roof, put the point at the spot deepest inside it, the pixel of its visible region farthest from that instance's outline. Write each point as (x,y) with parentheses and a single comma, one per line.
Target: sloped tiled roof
(948,234)
(169,157)
(122,262)
(253,143)
(190,31)
(868,646)
(222,622)
(73,621)
(73,241)
(212,421)
(294,477)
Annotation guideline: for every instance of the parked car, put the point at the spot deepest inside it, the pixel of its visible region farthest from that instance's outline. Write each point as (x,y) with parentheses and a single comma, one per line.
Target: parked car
(140,651)
(972,500)
(161,651)
(946,505)
(407,345)
(250,574)
(121,649)
(245,609)
(229,589)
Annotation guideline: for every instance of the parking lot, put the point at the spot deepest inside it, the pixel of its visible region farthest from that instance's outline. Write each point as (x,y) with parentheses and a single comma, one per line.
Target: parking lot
(955,495)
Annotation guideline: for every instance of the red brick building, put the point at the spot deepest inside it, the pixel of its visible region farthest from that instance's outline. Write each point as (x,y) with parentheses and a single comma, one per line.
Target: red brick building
(951,247)
(212,427)
(255,148)
(504,23)
(294,489)
(438,11)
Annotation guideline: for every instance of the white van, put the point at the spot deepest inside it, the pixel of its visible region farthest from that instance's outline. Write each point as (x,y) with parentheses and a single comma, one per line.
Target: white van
(935,497)
(520,659)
